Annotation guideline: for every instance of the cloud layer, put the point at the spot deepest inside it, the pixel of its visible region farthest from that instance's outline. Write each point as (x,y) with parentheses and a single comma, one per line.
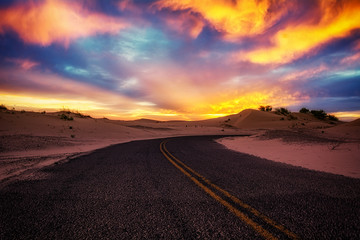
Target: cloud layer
(186,59)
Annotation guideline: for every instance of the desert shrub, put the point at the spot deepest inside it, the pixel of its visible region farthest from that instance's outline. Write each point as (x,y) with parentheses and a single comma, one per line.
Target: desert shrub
(304,110)
(75,112)
(332,117)
(319,114)
(66,117)
(261,108)
(266,108)
(22,111)
(282,111)
(72,136)
(43,112)
(80,115)
(84,116)
(65,110)
(2,107)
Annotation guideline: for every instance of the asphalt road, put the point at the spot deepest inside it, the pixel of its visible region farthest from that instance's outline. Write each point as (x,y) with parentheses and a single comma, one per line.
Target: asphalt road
(180,188)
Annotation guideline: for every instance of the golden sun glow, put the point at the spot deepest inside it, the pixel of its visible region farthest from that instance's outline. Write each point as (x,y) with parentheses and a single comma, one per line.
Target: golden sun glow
(44,103)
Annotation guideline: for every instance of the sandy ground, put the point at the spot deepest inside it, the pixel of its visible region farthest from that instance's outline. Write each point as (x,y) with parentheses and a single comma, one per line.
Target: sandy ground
(338,156)
(30,140)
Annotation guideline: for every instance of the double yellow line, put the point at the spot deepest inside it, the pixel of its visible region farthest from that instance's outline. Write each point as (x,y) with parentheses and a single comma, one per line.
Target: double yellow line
(206,185)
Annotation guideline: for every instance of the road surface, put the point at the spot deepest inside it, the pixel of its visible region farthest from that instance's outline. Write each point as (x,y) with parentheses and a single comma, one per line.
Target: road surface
(179,188)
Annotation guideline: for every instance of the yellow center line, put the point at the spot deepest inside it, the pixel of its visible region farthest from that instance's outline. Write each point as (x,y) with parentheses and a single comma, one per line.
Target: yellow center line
(233,198)
(232,209)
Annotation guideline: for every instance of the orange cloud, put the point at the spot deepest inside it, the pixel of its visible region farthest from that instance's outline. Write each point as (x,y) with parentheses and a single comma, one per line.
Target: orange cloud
(247,18)
(23,63)
(55,21)
(294,41)
(233,18)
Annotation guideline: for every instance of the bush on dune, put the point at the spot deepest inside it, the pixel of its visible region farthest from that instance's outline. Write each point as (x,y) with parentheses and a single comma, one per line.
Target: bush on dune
(266,108)
(262,108)
(66,117)
(3,107)
(304,110)
(282,111)
(80,115)
(319,114)
(332,117)
(75,112)
(65,110)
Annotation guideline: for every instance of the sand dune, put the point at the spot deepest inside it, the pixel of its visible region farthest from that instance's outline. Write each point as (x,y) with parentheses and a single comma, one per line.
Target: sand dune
(348,131)
(254,119)
(309,143)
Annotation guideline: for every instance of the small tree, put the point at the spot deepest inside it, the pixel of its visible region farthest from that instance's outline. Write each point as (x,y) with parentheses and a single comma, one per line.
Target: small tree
(304,110)
(262,108)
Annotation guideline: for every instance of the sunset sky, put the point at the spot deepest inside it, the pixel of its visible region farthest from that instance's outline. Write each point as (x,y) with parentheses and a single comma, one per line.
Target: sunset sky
(188,59)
